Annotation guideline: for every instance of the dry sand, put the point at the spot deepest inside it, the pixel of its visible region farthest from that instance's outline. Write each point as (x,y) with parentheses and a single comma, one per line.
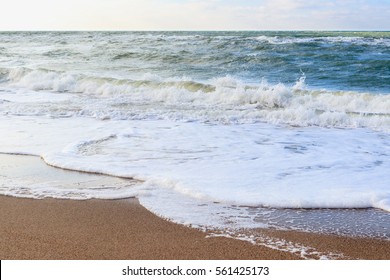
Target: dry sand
(123,229)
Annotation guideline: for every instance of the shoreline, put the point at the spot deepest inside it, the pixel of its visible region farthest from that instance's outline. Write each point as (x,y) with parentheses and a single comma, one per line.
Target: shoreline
(124,229)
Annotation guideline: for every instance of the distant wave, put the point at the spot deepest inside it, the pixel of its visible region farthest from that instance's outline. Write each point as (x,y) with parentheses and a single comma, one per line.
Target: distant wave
(354,40)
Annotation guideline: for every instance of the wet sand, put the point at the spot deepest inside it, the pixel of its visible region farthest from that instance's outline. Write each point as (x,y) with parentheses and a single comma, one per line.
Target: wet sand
(123,229)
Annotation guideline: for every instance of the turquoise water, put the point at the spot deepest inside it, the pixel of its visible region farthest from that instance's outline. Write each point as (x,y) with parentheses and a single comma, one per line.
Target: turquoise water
(331,60)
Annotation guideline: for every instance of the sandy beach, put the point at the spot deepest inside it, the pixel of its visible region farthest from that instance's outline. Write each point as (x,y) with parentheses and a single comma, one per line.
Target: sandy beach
(123,229)
(118,229)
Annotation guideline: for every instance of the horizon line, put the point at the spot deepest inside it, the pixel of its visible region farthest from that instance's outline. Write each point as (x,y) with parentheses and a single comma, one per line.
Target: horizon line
(195,30)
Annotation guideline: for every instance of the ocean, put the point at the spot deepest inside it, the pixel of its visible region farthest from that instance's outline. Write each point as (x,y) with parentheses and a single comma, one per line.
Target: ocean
(220,130)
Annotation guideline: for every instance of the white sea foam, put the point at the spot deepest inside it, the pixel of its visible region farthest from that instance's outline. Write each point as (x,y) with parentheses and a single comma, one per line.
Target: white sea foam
(254,164)
(305,252)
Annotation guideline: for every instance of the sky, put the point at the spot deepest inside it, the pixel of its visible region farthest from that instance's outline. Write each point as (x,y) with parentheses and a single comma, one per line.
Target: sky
(195,15)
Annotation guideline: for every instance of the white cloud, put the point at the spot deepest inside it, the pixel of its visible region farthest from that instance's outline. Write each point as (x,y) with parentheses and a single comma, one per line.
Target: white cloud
(192,14)
(314,14)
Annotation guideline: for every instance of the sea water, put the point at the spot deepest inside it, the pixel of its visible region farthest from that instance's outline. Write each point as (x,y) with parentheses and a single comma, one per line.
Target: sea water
(214,129)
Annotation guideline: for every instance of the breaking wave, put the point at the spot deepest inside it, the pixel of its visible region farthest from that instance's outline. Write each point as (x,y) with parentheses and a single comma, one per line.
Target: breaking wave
(223,99)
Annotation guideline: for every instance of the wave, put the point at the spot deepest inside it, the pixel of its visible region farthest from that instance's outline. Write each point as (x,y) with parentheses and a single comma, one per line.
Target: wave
(363,40)
(224,99)
(43,79)
(125,55)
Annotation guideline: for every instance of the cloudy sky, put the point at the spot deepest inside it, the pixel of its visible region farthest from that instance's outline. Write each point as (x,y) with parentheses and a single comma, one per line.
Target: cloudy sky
(195,15)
